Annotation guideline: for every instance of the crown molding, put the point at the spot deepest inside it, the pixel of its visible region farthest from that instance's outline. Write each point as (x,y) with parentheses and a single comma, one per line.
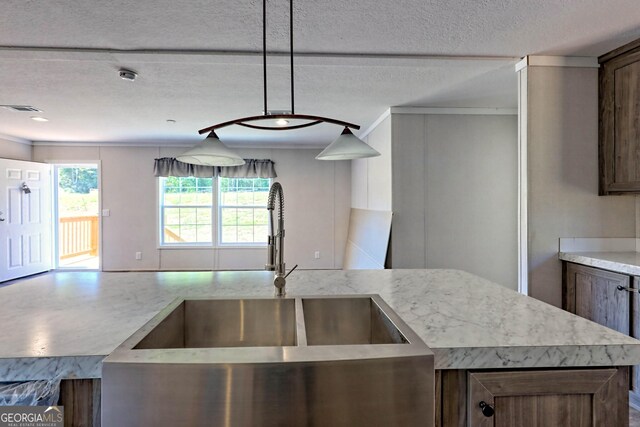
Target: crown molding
(557,61)
(375,124)
(15,139)
(481,111)
(186,145)
(205,56)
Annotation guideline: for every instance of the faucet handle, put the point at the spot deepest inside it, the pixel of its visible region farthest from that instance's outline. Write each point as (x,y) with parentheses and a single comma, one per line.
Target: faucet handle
(291,271)
(280,281)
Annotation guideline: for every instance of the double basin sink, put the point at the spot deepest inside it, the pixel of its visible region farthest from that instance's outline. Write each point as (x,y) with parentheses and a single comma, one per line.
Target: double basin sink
(314,361)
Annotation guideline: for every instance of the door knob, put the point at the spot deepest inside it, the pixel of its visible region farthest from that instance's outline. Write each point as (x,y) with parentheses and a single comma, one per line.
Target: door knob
(487,410)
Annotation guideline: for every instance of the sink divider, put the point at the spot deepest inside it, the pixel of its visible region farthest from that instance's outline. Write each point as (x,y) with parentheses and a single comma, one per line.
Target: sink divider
(301,330)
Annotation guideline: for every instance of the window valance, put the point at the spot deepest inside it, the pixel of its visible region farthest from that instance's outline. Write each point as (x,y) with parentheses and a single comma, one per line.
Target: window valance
(253,168)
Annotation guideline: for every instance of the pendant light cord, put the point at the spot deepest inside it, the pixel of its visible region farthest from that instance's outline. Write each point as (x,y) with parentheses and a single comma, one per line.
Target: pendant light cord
(264,53)
(293,111)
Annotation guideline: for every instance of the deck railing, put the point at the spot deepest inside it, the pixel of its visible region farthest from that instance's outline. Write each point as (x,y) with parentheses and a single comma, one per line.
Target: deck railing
(78,236)
(171,237)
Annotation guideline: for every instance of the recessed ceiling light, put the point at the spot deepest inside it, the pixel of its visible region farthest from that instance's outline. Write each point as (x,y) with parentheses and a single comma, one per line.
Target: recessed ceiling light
(39,119)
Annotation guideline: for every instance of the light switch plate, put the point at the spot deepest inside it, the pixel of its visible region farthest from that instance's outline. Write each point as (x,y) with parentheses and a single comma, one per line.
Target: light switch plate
(106,212)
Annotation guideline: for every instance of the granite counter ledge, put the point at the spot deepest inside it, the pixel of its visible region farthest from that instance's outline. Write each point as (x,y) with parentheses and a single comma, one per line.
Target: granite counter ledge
(64,324)
(620,262)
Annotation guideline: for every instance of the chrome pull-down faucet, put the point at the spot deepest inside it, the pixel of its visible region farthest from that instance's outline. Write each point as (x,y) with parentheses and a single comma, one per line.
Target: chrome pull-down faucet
(275,241)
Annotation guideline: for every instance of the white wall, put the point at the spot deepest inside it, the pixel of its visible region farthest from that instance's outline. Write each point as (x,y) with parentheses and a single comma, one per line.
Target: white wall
(451,182)
(471,194)
(317,196)
(371,178)
(455,193)
(562,140)
(408,233)
(14,150)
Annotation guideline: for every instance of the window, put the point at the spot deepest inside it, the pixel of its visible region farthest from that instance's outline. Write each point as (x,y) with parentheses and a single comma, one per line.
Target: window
(186,206)
(242,210)
(187,211)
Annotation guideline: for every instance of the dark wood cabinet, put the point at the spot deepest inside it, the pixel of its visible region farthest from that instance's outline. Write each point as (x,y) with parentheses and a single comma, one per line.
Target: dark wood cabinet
(532,398)
(81,401)
(608,298)
(594,397)
(599,295)
(619,123)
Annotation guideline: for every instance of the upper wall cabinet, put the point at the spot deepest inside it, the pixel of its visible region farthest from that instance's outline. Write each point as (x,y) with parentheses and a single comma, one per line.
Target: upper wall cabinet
(619,127)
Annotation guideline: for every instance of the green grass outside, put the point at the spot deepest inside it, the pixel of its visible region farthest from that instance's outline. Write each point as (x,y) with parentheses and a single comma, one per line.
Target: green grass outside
(239,224)
(246,198)
(76,204)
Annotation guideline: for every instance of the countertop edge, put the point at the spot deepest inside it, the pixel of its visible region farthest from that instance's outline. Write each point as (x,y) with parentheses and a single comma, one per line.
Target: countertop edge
(570,356)
(50,367)
(599,260)
(556,357)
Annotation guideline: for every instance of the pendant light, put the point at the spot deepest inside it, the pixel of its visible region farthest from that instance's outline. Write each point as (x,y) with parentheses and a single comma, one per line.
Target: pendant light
(213,152)
(347,147)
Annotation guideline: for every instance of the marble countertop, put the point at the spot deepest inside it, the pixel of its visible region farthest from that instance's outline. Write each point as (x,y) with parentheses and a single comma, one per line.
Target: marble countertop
(621,262)
(65,323)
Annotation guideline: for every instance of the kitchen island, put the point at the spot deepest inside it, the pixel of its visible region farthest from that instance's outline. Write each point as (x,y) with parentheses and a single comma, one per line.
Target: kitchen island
(62,325)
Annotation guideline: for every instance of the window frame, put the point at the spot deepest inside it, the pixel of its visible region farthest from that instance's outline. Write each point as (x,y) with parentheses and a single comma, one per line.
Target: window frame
(161,223)
(218,213)
(216,223)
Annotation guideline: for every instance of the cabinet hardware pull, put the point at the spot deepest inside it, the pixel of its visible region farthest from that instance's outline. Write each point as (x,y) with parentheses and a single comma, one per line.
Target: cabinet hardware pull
(627,288)
(487,410)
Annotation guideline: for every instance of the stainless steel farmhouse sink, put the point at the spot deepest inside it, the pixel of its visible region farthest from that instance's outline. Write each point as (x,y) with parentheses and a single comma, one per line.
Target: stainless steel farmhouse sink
(303,361)
(225,323)
(351,320)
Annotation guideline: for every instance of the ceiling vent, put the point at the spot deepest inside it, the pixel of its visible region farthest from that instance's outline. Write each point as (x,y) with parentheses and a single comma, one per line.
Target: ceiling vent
(21,108)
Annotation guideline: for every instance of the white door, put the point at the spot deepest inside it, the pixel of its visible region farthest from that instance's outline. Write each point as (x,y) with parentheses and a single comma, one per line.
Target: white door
(25,218)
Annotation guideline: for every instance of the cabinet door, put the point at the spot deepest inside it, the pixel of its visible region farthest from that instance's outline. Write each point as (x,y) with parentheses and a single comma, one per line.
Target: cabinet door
(601,296)
(568,398)
(634,386)
(619,129)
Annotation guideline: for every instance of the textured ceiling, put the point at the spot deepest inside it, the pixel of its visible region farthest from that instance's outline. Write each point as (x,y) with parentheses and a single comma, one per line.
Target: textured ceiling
(178,48)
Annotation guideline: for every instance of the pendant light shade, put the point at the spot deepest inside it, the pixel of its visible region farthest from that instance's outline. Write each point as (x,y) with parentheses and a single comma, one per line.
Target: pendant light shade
(347,147)
(211,152)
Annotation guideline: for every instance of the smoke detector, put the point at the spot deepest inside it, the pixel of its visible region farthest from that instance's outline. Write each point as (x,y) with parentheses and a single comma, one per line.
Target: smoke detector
(127,75)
